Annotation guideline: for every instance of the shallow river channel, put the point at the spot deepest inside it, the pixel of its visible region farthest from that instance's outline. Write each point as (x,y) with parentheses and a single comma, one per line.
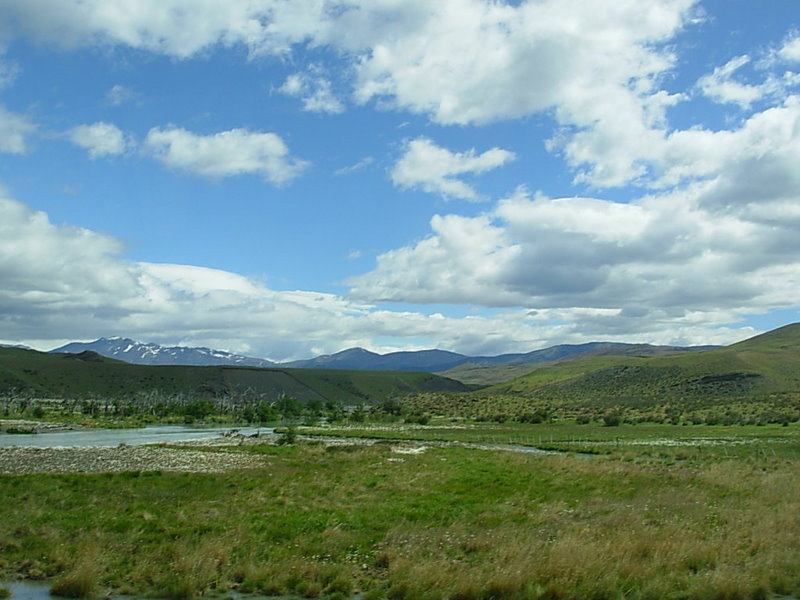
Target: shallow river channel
(106,438)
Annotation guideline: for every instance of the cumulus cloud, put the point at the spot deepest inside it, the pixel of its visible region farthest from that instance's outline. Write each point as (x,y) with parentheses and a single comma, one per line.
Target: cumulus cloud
(790,51)
(225,154)
(457,61)
(434,169)
(683,252)
(179,28)
(14,131)
(593,66)
(720,87)
(314,89)
(766,140)
(100,139)
(52,274)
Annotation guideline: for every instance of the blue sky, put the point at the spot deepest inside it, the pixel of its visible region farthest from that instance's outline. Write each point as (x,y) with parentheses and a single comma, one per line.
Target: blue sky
(289,178)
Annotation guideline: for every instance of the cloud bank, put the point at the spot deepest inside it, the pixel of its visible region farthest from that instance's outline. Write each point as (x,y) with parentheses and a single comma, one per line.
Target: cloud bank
(73,284)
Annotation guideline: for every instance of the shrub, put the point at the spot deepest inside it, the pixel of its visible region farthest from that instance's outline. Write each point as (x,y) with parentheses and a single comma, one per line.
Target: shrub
(289,436)
(418,418)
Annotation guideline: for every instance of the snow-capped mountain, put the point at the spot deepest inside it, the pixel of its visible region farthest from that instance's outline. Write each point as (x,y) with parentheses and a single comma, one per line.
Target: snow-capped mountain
(152,354)
(17,346)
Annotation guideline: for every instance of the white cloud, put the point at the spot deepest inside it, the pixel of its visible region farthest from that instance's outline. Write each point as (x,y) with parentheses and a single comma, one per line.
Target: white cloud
(790,50)
(355,168)
(679,253)
(225,154)
(8,73)
(314,89)
(767,138)
(434,169)
(594,65)
(720,86)
(120,94)
(14,131)
(179,28)
(463,61)
(51,275)
(100,139)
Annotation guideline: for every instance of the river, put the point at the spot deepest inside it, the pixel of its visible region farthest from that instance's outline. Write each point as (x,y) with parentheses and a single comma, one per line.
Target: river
(105,438)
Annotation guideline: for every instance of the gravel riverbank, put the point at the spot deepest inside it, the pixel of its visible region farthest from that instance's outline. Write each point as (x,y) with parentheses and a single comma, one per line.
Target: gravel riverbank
(124,458)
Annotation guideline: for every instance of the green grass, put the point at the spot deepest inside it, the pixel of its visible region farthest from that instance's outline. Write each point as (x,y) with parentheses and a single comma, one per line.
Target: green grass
(448,523)
(650,439)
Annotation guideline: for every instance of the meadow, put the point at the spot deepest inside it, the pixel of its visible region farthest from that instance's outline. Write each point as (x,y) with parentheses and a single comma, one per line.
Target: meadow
(655,512)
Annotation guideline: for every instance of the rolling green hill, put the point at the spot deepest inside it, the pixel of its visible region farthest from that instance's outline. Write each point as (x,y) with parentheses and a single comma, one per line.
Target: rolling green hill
(765,364)
(754,381)
(485,375)
(90,375)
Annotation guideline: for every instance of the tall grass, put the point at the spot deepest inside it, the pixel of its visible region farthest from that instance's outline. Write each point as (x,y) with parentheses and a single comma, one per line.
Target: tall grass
(446,524)
(81,577)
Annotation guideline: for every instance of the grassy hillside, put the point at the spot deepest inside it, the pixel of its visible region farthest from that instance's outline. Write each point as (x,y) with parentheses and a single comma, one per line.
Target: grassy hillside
(90,375)
(754,381)
(482,375)
(486,375)
(766,364)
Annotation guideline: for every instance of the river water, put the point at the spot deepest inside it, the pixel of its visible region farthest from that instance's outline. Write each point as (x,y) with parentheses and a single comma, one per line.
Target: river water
(105,438)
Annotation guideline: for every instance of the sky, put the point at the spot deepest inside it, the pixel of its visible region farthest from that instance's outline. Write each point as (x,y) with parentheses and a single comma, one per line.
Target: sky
(289,178)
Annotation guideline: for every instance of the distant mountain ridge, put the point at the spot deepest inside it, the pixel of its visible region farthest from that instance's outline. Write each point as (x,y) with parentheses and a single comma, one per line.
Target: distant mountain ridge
(430,361)
(138,353)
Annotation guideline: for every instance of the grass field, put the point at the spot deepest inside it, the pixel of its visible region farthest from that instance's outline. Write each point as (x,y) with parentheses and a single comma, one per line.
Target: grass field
(641,440)
(645,519)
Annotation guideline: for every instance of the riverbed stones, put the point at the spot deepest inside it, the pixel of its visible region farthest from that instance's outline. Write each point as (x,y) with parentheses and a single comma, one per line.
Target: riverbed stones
(18,460)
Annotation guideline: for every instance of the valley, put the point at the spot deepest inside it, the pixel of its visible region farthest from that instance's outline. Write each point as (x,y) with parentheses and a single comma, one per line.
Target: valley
(602,476)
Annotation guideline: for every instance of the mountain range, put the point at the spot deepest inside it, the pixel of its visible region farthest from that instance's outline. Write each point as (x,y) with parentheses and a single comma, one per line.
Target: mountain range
(431,361)
(139,353)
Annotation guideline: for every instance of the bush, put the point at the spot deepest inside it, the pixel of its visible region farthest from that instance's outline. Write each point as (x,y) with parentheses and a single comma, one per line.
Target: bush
(418,419)
(289,436)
